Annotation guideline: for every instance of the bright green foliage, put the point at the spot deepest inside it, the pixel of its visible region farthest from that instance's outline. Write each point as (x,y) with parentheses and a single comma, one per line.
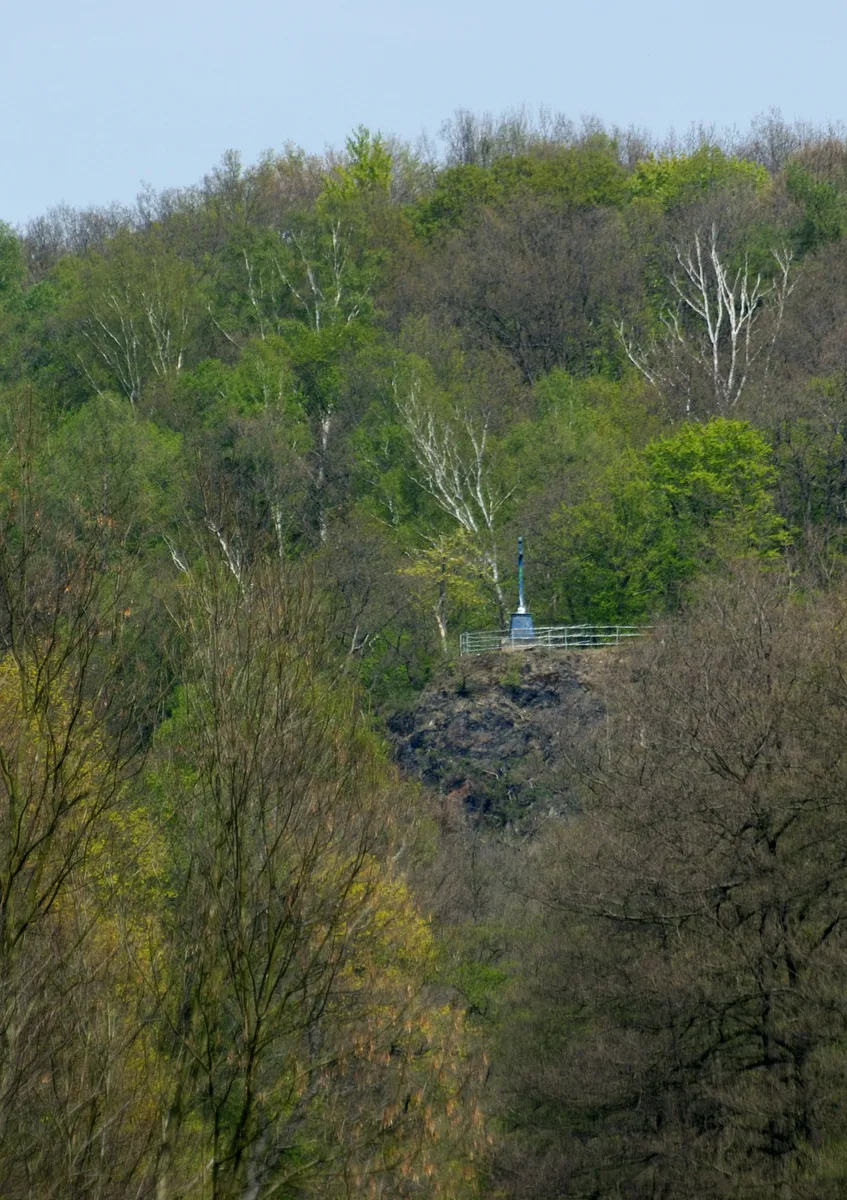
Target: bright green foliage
(368,171)
(452,556)
(662,515)
(321,270)
(721,468)
(581,432)
(262,379)
(617,555)
(581,423)
(318,262)
(450,577)
(334,259)
(679,179)
(252,293)
(589,175)
(297,372)
(460,191)
(386,474)
(320,361)
(585,176)
(389,475)
(107,465)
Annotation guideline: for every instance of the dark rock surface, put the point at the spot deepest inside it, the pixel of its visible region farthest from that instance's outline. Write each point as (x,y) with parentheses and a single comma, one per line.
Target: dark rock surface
(499,731)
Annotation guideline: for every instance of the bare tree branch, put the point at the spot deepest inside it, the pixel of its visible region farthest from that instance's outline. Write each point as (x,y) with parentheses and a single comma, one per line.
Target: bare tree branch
(455,470)
(717,321)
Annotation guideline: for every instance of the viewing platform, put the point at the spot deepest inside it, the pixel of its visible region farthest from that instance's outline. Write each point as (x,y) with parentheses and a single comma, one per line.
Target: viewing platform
(560,637)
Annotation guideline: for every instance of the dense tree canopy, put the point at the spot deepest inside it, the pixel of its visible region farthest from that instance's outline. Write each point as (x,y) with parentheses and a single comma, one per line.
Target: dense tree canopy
(266,444)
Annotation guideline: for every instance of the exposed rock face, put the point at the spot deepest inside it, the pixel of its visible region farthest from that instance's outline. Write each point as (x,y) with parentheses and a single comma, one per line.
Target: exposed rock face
(498,730)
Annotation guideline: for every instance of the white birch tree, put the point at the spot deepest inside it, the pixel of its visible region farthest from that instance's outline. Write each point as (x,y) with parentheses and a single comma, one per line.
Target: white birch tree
(454,467)
(137,312)
(717,323)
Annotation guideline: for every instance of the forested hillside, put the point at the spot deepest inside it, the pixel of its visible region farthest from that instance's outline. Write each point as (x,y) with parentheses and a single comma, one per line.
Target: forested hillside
(266,444)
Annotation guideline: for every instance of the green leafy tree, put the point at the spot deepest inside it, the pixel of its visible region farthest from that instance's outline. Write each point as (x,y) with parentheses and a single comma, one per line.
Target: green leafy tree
(680,179)
(586,176)
(320,262)
(12,265)
(107,465)
(18,306)
(663,514)
(823,209)
(459,192)
(367,171)
(133,312)
(451,576)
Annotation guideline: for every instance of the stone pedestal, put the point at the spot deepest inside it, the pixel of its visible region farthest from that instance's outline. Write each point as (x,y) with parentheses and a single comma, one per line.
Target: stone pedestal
(521,628)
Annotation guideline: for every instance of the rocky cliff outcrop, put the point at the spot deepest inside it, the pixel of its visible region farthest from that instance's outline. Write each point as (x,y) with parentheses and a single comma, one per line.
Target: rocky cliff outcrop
(500,731)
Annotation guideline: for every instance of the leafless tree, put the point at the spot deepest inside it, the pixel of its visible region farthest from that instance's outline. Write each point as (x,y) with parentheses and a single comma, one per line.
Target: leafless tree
(695,978)
(71,728)
(293,1055)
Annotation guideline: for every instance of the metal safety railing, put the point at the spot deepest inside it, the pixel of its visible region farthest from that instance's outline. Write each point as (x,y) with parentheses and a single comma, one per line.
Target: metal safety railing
(566,637)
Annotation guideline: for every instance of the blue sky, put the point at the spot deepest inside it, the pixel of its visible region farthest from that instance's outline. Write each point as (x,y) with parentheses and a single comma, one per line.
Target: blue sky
(102,96)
